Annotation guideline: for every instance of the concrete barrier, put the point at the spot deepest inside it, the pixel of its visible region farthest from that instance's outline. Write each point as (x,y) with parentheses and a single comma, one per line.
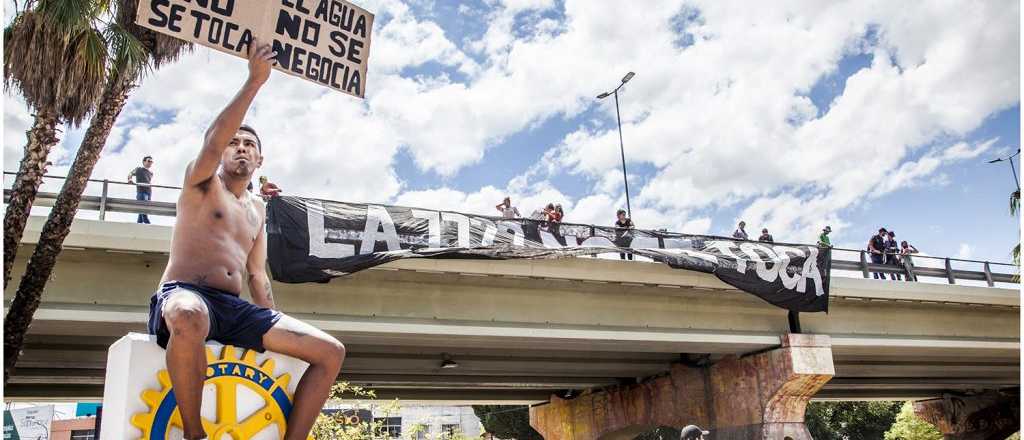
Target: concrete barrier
(246,395)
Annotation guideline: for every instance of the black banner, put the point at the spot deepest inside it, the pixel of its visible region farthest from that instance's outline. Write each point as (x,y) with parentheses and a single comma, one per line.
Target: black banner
(312,240)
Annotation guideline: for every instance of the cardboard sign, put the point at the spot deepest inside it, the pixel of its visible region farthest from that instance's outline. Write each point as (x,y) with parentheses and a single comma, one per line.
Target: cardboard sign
(324,41)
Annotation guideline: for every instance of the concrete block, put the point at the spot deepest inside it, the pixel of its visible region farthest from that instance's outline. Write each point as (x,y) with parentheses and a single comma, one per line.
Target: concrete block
(243,391)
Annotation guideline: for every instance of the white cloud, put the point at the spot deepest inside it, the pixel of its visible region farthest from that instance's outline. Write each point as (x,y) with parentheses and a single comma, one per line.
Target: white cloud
(962,150)
(725,122)
(965,251)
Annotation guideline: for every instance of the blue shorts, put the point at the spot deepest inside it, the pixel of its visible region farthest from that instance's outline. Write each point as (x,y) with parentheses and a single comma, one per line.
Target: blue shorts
(233,320)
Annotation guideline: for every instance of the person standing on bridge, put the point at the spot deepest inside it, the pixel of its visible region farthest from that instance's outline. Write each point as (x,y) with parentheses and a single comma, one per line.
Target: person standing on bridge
(623,233)
(906,249)
(506,209)
(142,177)
(765,236)
(876,246)
(823,240)
(892,255)
(740,233)
(220,235)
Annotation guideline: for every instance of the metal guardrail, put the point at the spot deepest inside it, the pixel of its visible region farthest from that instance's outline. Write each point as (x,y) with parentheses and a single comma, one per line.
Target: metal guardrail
(911,272)
(104,204)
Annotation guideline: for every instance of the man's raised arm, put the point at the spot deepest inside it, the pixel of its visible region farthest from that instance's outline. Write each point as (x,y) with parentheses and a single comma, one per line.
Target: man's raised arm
(223,129)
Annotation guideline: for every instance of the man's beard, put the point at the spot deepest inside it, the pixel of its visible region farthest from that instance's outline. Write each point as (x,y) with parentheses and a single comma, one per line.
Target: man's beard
(240,172)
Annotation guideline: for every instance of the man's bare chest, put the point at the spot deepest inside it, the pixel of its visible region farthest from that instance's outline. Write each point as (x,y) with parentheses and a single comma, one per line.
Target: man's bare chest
(225,216)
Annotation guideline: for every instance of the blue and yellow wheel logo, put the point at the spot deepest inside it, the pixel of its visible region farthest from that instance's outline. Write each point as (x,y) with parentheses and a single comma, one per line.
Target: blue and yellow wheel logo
(226,373)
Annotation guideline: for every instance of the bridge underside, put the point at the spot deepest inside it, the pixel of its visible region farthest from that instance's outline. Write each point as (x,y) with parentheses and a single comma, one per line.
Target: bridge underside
(62,366)
(522,330)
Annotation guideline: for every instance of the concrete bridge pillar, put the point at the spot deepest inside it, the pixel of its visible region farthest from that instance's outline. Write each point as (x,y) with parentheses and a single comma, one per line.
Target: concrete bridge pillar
(758,396)
(992,415)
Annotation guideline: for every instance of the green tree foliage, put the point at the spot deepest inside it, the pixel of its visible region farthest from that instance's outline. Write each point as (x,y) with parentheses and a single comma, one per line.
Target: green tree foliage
(342,426)
(337,427)
(506,421)
(850,420)
(909,426)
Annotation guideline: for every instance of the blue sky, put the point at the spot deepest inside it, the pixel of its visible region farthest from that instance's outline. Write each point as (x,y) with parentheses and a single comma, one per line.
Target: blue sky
(791,117)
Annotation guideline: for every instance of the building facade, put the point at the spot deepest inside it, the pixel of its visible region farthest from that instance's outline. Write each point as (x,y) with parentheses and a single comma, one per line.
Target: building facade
(82,428)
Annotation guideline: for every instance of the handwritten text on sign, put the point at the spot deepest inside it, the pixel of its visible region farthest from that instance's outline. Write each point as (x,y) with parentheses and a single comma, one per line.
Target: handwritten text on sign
(324,41)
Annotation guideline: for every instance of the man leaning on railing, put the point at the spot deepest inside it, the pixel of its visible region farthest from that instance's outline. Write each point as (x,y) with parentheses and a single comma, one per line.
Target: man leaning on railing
(143,178)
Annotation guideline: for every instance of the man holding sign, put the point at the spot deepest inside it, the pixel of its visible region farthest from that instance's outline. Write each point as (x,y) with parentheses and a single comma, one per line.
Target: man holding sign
(220,235)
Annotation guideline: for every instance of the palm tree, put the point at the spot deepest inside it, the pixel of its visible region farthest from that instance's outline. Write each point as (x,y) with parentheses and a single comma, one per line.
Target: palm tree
(56,59)
(134,50)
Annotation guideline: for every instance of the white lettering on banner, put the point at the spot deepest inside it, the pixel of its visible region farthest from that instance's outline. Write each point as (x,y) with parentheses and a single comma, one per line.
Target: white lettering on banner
(760,264)
(462,225)
(548,240)
(811,273)
(596,241)
(783,252)
(643,243)
(702,255)
(433,226)
(725,247)
(490,230)
(516,230)
(379,227)
(318,245)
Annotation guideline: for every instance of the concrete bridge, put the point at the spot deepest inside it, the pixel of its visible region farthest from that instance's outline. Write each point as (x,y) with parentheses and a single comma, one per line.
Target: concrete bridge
(523,331)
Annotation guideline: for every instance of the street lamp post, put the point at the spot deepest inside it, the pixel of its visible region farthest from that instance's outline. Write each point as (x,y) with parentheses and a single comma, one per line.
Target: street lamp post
(1012,168)
(622,149)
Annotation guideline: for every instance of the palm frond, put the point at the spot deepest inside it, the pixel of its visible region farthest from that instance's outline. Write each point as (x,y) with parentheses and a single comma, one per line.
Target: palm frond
(33,54)
(8,35)
(84,73)
(128,55)
(55,68)
(162,49)
(69,16)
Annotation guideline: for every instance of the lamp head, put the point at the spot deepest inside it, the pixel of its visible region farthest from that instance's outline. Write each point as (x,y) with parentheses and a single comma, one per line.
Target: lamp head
(603,95)
(628,77)
(447,361)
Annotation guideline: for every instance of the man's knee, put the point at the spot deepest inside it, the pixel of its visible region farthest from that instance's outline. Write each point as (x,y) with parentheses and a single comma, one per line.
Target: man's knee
(333,353)
(186,318)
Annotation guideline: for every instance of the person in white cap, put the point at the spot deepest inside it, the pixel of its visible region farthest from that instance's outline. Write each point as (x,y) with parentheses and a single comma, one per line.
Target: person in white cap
(692,432)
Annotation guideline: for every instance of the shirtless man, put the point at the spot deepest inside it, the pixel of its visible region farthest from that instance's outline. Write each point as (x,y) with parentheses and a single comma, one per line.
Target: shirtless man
(220,236)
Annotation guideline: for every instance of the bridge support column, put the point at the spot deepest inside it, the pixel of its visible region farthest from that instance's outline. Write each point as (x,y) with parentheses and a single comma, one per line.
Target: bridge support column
(759,396)
(992,415)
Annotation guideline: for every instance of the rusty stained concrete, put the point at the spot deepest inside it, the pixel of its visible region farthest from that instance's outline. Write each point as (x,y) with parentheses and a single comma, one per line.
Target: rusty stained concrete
(992,415)
(759,396)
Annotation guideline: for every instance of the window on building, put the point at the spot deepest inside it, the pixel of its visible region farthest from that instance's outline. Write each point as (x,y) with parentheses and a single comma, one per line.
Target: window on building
(83,434)
(390,425)
(449,431)
(421,431)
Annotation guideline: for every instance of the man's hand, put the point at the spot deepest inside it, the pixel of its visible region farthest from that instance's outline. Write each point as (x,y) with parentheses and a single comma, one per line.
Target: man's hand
(268,190)
(261,59)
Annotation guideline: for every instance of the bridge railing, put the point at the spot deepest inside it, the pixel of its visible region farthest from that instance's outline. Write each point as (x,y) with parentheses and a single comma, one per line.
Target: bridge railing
(108,196)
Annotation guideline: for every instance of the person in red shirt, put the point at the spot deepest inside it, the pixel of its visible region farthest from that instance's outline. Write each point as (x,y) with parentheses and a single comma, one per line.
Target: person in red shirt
(557,214)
